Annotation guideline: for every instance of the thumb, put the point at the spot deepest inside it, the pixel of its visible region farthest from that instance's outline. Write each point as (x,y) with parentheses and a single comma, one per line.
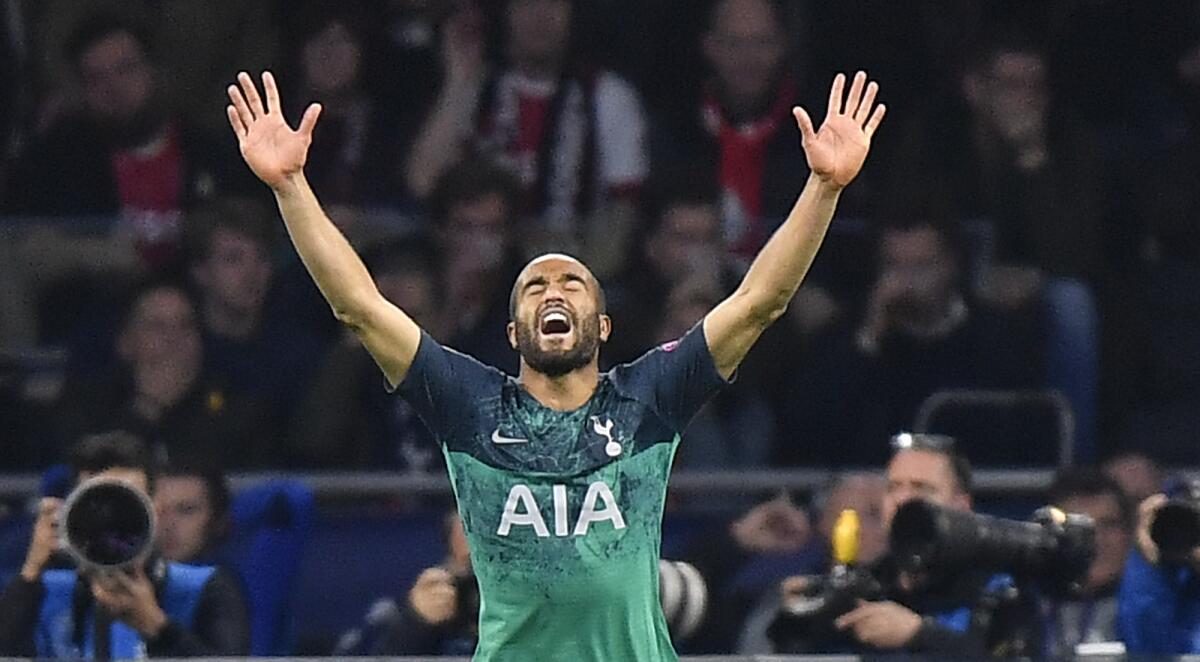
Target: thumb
(309,120)
(805,123)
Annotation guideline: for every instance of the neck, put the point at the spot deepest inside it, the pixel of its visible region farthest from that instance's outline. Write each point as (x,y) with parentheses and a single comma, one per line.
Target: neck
(227,322)
(563,393)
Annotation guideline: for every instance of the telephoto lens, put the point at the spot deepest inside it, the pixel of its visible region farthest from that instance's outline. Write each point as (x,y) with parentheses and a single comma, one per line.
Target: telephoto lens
(107,524)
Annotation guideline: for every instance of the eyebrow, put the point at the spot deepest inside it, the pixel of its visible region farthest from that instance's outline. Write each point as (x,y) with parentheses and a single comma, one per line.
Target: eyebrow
(536,280)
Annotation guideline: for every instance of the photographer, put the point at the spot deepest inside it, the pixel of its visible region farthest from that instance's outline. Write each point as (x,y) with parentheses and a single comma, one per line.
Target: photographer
(1087,612)
(154,608)
(971,613)
(1158,605)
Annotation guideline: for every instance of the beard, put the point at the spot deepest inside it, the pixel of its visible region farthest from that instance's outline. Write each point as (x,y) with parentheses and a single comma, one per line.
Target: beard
(559,363)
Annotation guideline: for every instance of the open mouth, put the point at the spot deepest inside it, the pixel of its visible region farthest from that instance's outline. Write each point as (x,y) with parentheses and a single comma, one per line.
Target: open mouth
(555,323)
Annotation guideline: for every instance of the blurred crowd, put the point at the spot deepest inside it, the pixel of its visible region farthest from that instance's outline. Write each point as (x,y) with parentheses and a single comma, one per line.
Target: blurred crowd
(1026,223)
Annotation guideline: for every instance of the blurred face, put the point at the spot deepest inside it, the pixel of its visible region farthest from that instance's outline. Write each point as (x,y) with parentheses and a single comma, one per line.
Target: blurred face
(412,292)
(236,273)
(331,59)
(162,331)
(918,474)
(745,48)
(864,495)
(557,326)
(1017,83)
(539,31)
(922,272)
(1113,538)
(688,238)
(117,78)
(477,232)
(185,517)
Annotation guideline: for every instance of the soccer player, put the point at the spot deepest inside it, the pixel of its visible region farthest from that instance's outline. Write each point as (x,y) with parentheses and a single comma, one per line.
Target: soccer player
(560,473)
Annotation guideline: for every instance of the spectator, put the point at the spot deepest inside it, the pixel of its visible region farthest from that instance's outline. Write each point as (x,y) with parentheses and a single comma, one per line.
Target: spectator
(735,429)
(193,514)
(1028,169)
(474,211)
(861,492)
(1138,476)
(967,614)
(158,607)
(1159,600)
(920,334)
(1089,614)
(573,137)
(161,392)
(122,152)
(439,616)
(347,419)
(350,162)
(742,127)
(251,346)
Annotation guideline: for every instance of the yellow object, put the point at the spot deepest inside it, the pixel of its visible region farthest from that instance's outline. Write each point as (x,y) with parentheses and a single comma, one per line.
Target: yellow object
(845,538)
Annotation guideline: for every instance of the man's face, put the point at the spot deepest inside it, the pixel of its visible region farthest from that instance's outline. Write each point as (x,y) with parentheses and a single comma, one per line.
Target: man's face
(117,78)
(236,273)
(331,59)
(687,239)
(918,474)
(864,495)
(745,48)
(185,517)
(557,327)
(162,330)
(539,31)
(1113,537)
(1016,83)
(476,232)
(917,264)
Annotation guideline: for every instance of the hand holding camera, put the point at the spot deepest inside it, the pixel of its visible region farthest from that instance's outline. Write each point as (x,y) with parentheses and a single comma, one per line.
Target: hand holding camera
(129,597)
(44,541)
(1168,526)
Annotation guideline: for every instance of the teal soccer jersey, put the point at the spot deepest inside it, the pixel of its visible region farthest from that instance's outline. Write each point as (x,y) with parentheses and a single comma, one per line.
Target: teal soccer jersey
(563,510)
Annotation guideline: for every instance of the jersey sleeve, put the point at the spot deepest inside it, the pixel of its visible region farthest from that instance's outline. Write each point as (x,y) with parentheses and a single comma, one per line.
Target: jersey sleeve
(444,387)
(674,379)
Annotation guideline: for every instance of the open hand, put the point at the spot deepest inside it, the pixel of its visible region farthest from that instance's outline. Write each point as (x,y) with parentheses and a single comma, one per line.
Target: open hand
(836,151)
(270,147)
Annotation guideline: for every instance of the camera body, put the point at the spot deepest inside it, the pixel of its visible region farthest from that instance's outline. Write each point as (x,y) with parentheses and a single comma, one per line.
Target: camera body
(1176,526)
(106,525)
(811,613)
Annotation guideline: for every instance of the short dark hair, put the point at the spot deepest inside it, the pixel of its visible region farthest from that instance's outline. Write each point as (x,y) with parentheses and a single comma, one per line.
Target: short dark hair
(938,444)
(95,28)
(216,487)
(470,180)
(1089,482)
(244,216)
(109,450)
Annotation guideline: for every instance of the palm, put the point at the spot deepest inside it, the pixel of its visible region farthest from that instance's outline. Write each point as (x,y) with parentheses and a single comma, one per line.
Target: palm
(837,150)
(272,149)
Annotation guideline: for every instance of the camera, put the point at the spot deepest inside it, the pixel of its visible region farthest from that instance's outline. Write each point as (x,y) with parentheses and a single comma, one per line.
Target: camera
(1176,526)
(1054,550)
(809,616)
(106,524)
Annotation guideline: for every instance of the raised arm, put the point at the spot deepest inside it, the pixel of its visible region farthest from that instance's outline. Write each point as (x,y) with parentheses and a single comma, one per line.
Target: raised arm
(835,155)
(277,154)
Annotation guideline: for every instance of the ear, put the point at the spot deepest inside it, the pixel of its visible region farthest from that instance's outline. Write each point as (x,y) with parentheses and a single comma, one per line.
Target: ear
(511,332)
(605,327)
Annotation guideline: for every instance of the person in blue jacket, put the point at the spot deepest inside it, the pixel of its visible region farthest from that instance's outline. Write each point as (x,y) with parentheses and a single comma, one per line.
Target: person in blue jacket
(1158,606)
(157,608)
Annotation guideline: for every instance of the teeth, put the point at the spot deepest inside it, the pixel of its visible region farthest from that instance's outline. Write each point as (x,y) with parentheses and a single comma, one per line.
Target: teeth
(555,317)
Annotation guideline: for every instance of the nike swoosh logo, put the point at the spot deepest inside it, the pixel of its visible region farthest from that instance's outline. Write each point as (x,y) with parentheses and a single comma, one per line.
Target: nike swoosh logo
(497,438)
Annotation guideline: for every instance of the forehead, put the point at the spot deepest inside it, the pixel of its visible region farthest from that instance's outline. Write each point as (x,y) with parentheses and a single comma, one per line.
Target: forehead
(919,465)
(181,487)
(554,266)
